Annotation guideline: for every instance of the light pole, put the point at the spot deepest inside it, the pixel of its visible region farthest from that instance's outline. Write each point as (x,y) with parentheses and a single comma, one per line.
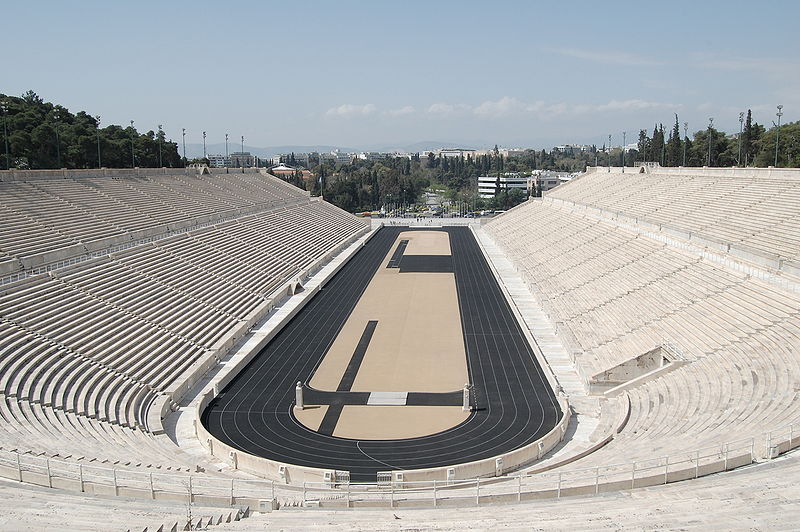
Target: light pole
(204,144)
(183,132)
(56,117)
(227,159)
(741,130)
(710,125)
(609,154)
(779,114)
(685,140)
(242,151)
(160,162)
(133,157)
(624,139)
(97,121)
(4,107)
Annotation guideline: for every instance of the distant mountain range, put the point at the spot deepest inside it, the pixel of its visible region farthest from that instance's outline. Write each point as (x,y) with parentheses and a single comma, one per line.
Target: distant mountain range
(196,150)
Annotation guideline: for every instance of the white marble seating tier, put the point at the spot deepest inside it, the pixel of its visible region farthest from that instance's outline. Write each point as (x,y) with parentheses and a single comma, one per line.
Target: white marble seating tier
(88,348)
(614,294)
(757,211)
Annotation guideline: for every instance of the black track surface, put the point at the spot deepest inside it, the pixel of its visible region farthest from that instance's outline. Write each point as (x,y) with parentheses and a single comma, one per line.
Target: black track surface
(319,397)
(515,405)
(394,262)
(426,264)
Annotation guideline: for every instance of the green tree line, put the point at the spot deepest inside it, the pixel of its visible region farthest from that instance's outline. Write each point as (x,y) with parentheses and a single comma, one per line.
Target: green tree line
(368,185)
(363,185)
(42,135)
(711,147)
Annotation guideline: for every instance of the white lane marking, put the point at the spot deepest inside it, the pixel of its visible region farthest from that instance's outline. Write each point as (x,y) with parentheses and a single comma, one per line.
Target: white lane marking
(387,398)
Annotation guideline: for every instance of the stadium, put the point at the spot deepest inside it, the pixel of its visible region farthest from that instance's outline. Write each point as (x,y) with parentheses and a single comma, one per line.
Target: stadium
(192,348)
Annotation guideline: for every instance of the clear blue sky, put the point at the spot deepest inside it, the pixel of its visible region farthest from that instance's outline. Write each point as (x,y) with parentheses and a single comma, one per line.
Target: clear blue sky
(360,73)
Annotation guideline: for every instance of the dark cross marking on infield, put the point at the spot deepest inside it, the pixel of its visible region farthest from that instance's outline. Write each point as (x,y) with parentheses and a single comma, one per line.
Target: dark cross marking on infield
(321,397)
(328,423)
(394,262)
(426,264)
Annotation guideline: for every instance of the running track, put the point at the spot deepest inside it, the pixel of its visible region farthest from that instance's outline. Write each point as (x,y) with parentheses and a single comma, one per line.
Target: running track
(515,405)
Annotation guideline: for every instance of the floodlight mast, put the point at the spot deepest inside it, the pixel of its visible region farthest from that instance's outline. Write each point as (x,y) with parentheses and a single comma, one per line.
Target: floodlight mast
(4,108)
(133,158)
(624,140)
(741,130)
(97,120)
(160,160)
(779,114)
(710,126)
(56,117)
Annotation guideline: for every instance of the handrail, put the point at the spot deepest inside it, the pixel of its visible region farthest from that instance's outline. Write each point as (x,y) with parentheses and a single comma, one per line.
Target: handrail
(77,476)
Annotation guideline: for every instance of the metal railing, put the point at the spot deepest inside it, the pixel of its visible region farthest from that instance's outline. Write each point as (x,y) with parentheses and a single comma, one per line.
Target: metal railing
(208,489)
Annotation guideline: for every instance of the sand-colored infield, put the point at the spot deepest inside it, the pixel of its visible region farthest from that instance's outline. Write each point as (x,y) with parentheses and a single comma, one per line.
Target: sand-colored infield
(395,422)
(311,416)
(427,243)
(417,346)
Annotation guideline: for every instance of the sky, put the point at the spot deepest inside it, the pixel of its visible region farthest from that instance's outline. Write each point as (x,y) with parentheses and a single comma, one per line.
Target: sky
(380,73)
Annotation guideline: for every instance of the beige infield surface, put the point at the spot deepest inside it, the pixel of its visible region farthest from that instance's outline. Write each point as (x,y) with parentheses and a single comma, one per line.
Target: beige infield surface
(417,346)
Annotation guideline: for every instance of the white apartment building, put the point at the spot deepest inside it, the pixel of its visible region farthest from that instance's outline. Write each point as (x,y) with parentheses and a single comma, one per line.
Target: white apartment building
(547,179)
(342,157)
(371,155)
(219,161)
(572,148)
(487,185)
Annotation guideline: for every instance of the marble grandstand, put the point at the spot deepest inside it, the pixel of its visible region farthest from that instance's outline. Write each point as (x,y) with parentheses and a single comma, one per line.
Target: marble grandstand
(700,263)
(666,303)
(120,289)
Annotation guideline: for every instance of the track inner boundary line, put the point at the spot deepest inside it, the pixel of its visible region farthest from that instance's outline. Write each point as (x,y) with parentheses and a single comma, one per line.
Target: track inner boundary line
(516,404)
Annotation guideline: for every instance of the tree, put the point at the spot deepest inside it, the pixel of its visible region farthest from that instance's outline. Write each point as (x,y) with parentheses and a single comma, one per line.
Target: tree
(788,149)
(644,144)
(44,135)
(657,145)
(751,135)
(674,152)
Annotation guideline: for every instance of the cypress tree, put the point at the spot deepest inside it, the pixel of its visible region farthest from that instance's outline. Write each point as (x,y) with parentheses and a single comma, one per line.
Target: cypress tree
(747,138)
(674,145)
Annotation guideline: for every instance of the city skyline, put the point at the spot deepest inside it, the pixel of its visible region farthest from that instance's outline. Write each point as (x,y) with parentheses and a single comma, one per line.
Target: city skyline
(361,75)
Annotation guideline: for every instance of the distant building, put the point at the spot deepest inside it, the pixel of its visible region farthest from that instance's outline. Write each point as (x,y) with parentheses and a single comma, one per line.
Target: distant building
(291,158)
(342,157)
(455,152)
(572,148)
(512,153)
(371,155)
(487,185)
(219,161)
(283,171)
(242,159)
(545,180)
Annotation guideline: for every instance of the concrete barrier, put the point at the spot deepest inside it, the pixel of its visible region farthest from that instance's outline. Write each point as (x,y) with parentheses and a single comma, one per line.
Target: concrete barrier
(262,467)
(488,466)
